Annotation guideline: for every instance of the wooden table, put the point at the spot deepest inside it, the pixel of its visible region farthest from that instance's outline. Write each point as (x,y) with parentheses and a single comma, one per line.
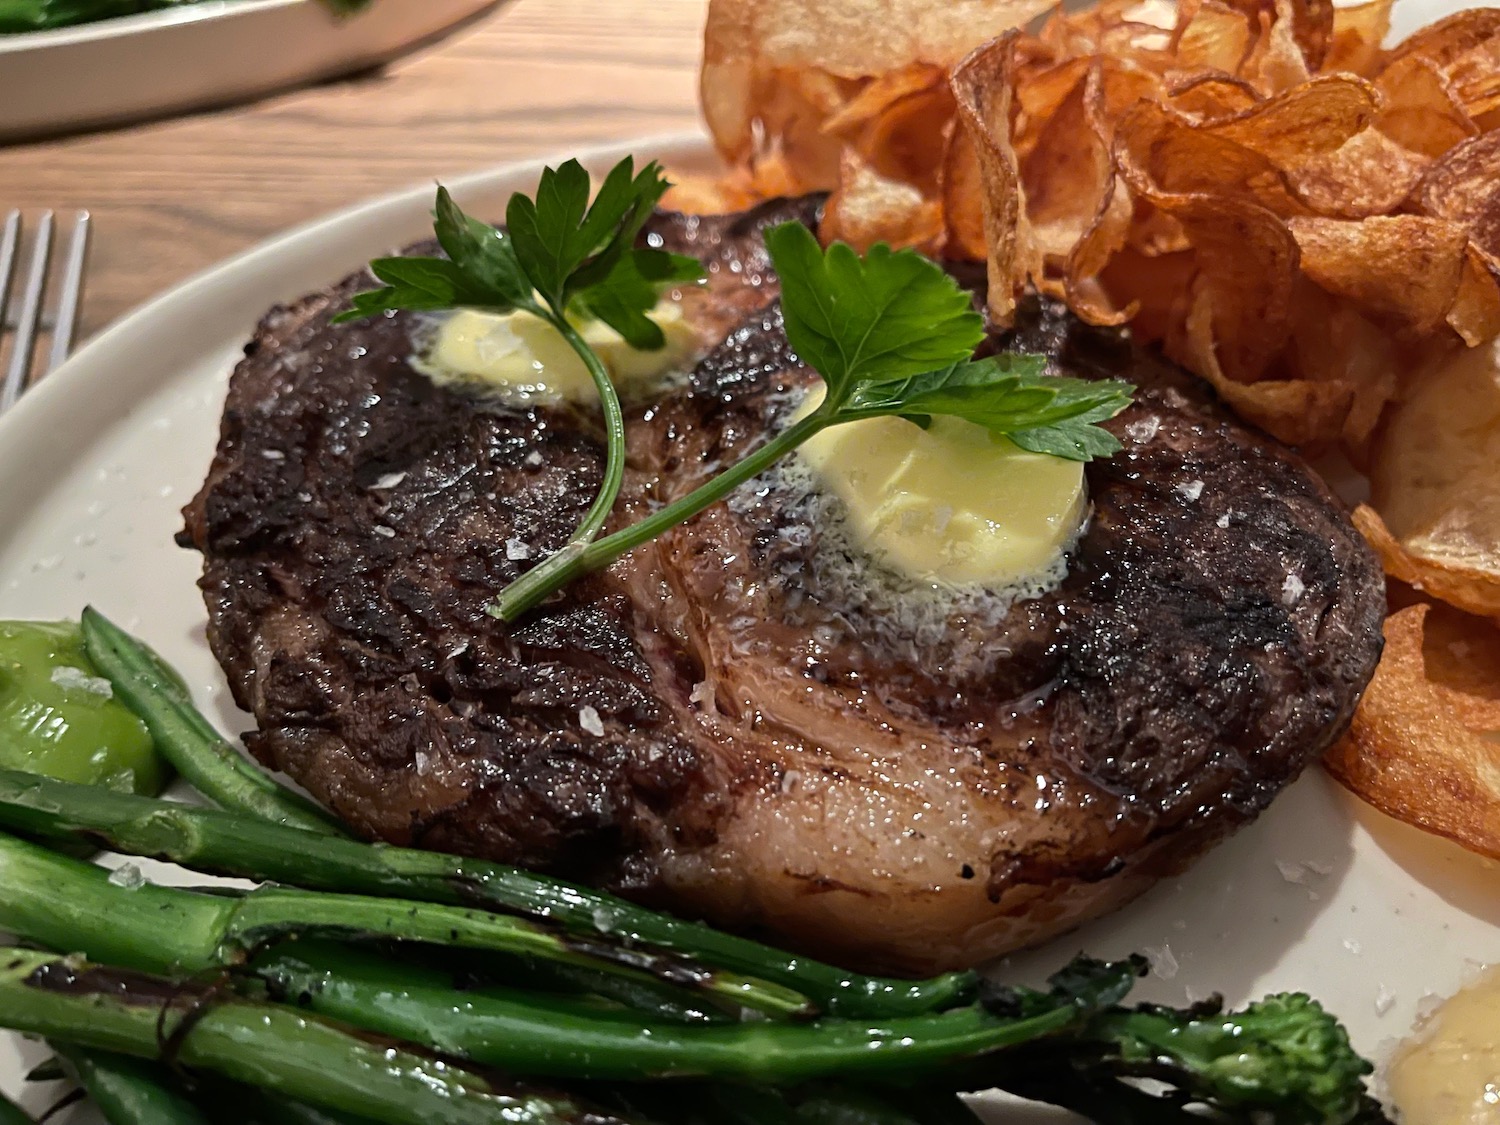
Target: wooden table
(538,77)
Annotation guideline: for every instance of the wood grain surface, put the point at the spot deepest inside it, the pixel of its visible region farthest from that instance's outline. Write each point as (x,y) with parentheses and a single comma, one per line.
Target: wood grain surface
(535,78)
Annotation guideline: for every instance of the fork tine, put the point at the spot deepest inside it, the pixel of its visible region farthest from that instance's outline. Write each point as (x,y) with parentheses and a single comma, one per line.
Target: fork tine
(31,314)
(71,295)
(10,244)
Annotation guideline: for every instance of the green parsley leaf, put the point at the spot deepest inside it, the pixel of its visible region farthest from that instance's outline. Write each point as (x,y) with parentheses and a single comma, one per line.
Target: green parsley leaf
(883,318)
(484,255)
(622,299)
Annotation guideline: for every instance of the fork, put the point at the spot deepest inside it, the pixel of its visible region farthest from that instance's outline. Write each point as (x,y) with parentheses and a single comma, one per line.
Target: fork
(24,318)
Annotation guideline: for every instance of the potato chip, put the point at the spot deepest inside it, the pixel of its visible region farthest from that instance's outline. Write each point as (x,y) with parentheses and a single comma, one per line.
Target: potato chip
(1470,590)
(1433,479)
(1421,746)
(982,85)
(1313,119)
(1369,175)
(1475,315)
(1358,31)
(1465,186)
(1419,111)
(859,38)
(869,207)
(1404,268)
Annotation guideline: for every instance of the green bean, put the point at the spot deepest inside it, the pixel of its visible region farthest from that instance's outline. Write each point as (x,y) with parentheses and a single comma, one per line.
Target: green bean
(144,683)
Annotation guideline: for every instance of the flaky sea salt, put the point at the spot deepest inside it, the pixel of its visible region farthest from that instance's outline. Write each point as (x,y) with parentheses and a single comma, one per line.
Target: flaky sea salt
(1292,590)
(1384,1000)
(1163,961)
(76,679)
(515,549)
(588,719)
(533,459)
(1223,521)
(385,532)
(423,762)
(1190,491)
(1143,430)
(390,480)
(128,876)
(273,455)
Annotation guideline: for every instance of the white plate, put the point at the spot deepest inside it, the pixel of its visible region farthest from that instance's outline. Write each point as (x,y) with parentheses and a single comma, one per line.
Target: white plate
(1319,895)
(220,51)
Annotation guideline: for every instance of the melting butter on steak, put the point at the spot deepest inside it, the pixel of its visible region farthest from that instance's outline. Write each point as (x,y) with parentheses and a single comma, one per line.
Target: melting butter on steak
(791,743)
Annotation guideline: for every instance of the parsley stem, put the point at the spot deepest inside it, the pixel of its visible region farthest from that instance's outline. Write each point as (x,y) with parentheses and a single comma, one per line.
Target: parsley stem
(614,434)
(568,564)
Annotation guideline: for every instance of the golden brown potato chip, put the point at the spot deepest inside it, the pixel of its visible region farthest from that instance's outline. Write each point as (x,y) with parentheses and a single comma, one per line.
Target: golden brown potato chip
(1476,310)
(1416,750)
(1465,186)
(1293,212)
(862,38)
(1208,98)
(1405,268)
(1358,31)
(1461,654)
(906,141)
(869,207)
(1434,484)
(882,93)
(1419,111)
(982,85)
(1469,590)
(1370,175)
(1313,119)
(1214,37)
(962,191)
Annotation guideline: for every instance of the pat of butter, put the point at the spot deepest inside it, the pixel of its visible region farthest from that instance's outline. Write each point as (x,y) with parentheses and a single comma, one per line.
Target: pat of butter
(950,503)
(521,352)
(1450,1074)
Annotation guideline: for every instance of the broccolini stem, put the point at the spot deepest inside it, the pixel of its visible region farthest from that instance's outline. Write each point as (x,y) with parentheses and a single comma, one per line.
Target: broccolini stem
(66,904)
(264,1045)
(523,1032)
(227,843)
(128,1091)
(185,737)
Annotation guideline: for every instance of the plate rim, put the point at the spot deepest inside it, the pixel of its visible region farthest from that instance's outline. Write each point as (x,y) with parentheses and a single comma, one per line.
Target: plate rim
(123,27)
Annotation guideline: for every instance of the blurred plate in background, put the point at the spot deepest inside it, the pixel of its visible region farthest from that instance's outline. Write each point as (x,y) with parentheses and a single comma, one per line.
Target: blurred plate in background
(201,55)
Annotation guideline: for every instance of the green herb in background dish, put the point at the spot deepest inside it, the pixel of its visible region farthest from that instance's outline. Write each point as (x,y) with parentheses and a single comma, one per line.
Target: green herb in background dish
(891,334)
(40,15)
(561,257)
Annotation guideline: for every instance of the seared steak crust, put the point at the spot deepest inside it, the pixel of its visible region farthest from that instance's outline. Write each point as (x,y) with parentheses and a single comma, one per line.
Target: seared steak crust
(785,746)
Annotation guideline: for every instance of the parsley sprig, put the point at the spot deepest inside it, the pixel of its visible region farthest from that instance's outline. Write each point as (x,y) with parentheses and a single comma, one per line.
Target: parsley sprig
(560,256)
(891,334)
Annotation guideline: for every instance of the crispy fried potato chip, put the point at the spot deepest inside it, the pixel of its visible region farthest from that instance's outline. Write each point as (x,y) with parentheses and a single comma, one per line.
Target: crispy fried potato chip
(1422,747)
(1468,589)
(869,207)
(1404,268)
(982,85)
(1465,186)
(1369,175)
(1434,483)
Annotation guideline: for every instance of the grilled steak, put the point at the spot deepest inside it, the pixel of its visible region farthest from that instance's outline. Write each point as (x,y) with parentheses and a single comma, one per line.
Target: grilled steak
(747,720)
